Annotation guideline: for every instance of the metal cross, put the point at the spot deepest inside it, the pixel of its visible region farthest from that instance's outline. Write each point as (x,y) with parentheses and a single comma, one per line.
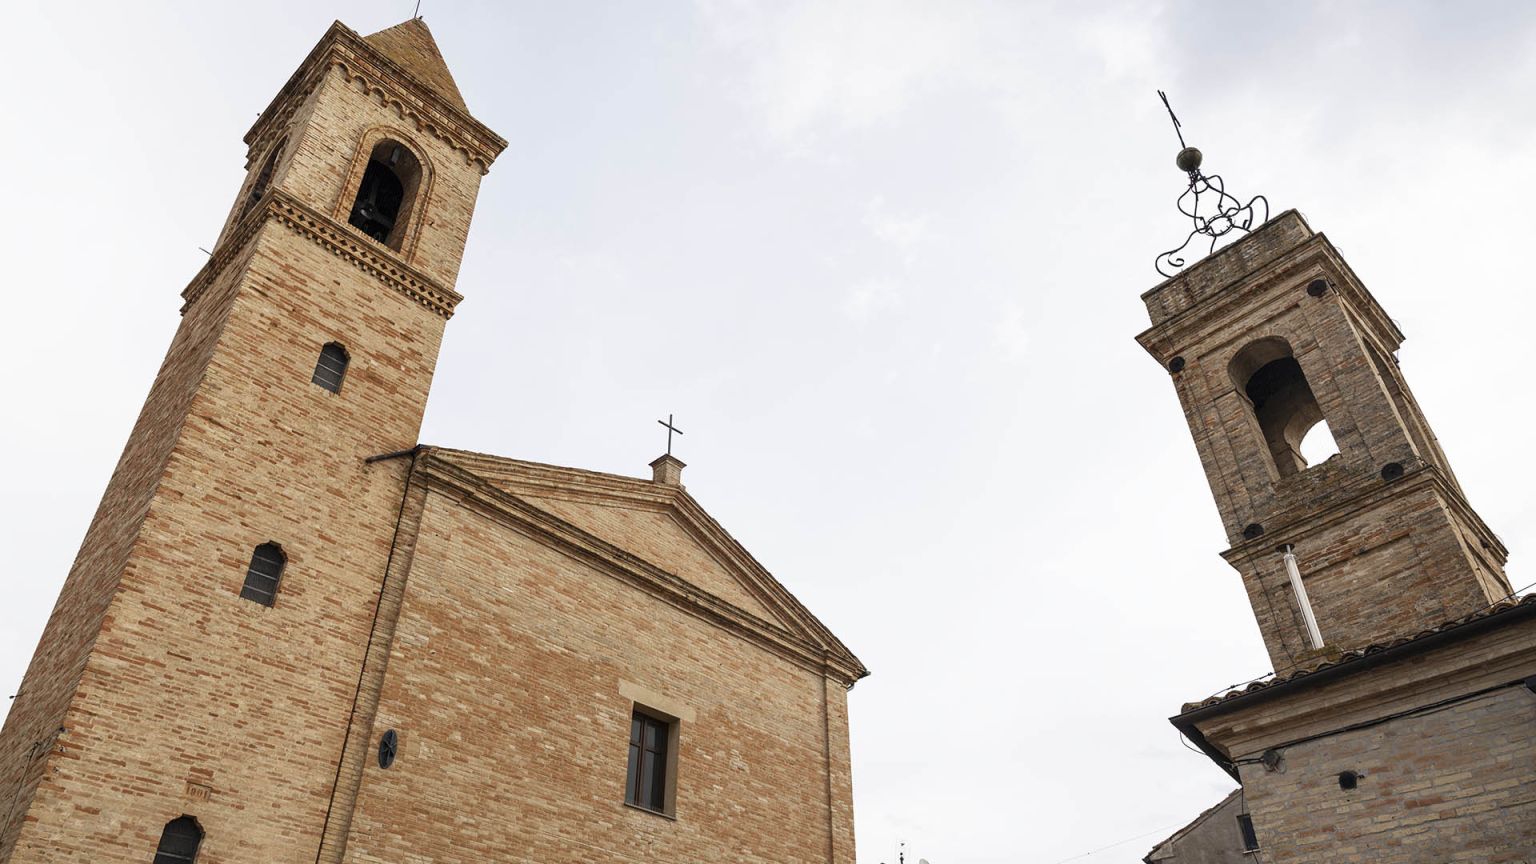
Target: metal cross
(670,429)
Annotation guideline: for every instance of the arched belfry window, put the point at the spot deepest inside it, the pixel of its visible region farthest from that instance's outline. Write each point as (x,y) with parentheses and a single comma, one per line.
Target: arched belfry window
(263,574)
(385,194)
(179,841)
(1266,372)
(263,177)
(331,368)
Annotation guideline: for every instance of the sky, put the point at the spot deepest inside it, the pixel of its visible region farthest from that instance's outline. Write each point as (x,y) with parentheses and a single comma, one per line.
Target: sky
(882,261)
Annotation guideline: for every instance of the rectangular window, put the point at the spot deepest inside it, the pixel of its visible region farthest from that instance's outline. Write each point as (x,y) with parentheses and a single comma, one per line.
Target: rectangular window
(647,781)
(1250,839)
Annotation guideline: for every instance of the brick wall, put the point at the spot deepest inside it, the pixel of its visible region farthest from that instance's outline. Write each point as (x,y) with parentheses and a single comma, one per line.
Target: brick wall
(27,742)
(1443,730)
(1455,785)
(1389,566)
(504,685)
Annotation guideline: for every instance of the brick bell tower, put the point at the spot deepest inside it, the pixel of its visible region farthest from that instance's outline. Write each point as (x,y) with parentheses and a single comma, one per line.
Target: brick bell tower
(194,684)
(1263,340)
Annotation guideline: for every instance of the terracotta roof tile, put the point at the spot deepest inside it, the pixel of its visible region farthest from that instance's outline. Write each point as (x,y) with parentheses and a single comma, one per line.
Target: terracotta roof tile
(1360,653)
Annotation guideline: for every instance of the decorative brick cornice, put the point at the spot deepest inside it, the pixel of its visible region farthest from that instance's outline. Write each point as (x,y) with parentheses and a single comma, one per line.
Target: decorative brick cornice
(573,484)
(343,49)
(1361,494)
(336,238)
(1283,253)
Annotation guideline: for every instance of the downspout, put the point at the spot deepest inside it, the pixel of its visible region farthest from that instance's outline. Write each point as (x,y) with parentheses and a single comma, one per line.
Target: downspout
(1294,572)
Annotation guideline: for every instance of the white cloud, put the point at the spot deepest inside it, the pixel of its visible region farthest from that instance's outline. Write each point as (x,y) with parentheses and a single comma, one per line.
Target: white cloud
(875,296)
(1011,335)
(902,230)
(842,65)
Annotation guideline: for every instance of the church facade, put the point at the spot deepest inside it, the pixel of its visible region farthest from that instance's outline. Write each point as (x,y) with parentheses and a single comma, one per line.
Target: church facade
(1399,726)
(294,634)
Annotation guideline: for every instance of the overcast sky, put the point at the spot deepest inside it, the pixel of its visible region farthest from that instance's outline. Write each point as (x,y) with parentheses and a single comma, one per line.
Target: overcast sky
(882,261)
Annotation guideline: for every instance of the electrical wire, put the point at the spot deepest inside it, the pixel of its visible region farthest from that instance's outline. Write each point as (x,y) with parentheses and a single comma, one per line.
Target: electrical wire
(1509,595)
(1420,711)
(1185,741)
(1114,844)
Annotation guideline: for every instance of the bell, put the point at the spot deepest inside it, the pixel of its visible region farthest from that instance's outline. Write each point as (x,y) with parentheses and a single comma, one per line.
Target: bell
(1188,160)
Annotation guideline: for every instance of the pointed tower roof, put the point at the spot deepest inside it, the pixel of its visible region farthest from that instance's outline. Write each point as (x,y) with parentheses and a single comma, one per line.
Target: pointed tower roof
(411,46)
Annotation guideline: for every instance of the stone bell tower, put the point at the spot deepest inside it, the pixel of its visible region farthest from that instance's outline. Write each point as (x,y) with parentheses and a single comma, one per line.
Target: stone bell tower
(1263,340)
(194,685)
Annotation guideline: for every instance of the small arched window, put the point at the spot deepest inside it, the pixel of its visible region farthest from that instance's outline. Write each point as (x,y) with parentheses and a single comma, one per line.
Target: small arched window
(179,841)
(331,368)
(265,572)
(386,192)
(1282,401)
(263,178)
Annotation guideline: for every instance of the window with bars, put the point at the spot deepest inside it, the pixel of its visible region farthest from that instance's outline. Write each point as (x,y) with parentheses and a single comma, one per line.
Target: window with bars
(262,576)
(648,780)
(331,368)
(179,841)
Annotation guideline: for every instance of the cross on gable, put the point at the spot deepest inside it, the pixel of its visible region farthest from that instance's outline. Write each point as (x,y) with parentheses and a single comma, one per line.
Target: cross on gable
(670,429)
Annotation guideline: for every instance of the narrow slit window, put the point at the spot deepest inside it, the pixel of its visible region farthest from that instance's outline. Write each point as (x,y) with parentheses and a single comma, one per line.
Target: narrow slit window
(647,779)
(331,368)
(265,572)
(179,841)
(1245,826)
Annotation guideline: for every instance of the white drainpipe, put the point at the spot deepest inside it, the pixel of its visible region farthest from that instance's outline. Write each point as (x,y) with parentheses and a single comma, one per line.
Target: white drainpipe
(1301,596)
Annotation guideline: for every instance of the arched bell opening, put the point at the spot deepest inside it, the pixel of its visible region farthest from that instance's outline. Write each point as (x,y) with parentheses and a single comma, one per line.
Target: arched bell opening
(1291,421)
(387,192)
(263,178)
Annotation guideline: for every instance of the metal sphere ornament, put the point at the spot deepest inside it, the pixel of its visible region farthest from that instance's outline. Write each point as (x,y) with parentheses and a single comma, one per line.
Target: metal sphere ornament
(1189,159)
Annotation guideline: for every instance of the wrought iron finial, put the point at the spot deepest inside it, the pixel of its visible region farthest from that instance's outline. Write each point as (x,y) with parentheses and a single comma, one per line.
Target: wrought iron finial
(1215,215)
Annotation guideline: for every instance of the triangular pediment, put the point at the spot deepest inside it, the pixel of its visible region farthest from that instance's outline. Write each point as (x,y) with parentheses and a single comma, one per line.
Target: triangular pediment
(410,46)
(658,536)
(660,524)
